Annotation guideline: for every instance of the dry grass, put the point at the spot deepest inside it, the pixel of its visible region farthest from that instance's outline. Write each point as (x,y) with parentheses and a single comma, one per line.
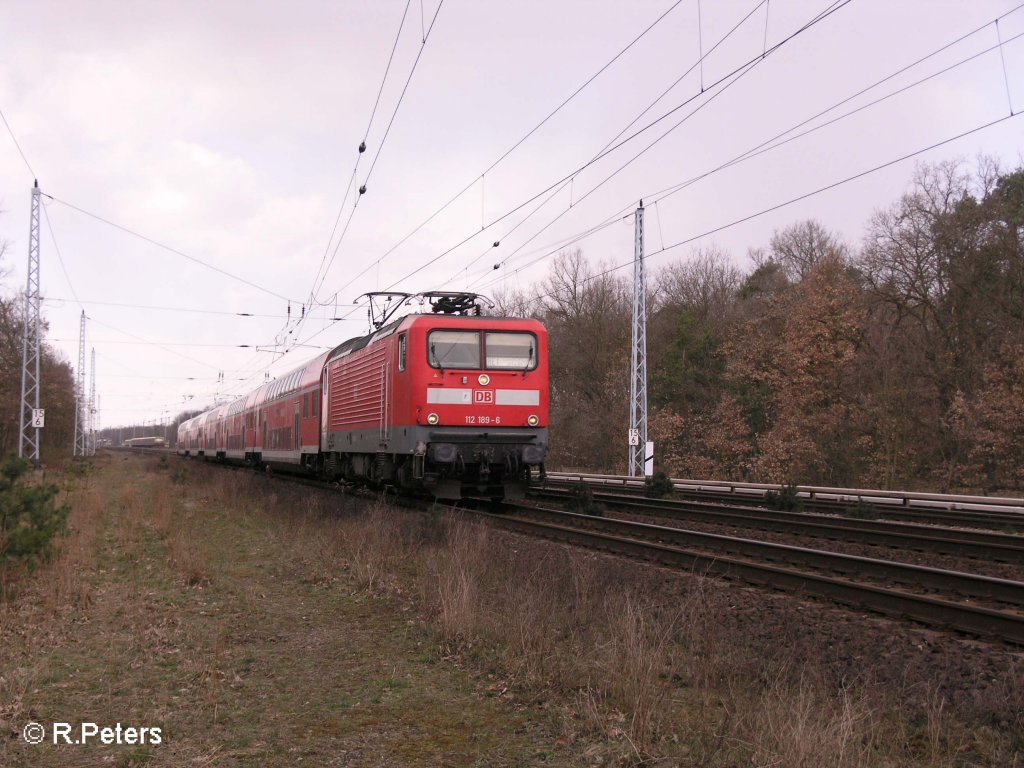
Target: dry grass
(66,578)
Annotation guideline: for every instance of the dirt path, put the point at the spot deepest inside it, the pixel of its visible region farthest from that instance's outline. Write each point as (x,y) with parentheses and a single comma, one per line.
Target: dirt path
(173,610)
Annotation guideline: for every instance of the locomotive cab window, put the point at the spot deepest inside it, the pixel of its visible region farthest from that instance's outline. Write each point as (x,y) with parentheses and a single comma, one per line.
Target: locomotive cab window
(516,351)
(453,349)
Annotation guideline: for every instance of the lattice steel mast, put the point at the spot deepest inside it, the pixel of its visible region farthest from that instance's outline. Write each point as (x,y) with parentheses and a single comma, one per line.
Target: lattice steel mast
(638,445)
(28,437)
(92,407)
(78,449)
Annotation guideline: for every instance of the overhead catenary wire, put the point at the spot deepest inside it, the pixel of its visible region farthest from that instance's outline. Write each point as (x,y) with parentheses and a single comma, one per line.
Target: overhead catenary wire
(739,72)
(572,200)
(362,149)
(60,257)
(170,249)
(21,152)
(835,6)
(806,195)
(192,310)
(777,140)
(736,75)
(380,148)
(260,347)
(155,344)
(476,179)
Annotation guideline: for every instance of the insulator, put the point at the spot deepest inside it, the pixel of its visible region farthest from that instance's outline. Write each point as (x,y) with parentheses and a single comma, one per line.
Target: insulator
(496,243)
(362,147)
(362,190)
(497,266)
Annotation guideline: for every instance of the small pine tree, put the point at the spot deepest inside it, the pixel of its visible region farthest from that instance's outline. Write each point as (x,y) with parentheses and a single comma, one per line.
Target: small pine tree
(30,518)
(658,485)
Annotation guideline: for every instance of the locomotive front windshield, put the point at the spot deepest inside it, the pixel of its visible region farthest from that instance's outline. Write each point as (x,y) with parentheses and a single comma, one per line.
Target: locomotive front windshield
(511,350)
(465,349)
(454,349)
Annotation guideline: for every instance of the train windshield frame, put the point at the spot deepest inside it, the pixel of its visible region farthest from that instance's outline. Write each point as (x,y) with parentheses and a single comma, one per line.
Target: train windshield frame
(491,350)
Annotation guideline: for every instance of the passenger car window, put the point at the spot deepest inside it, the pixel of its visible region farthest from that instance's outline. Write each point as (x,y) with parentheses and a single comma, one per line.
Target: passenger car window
(401,352)
(453,349)
(517,351)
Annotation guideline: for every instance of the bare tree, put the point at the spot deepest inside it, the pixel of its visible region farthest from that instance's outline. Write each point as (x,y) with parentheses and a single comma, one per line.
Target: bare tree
(800,247)
(587,314)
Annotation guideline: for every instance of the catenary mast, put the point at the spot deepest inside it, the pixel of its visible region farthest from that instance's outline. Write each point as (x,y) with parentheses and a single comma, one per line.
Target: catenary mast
(80,421)
(641,453)
(28,437)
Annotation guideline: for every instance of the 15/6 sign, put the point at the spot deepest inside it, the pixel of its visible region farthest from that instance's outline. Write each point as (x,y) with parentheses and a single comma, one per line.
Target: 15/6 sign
(38,418)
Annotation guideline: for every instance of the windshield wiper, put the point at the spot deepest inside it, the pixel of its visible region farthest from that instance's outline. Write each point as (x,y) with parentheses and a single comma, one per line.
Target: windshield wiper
(529,362)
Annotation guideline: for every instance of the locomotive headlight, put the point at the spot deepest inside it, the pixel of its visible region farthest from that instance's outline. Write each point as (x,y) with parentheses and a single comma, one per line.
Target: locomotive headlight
(432,418)
(533,421)
(484,379)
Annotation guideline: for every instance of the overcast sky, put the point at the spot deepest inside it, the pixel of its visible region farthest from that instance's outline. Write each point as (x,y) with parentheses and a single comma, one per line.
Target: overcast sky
(228,131)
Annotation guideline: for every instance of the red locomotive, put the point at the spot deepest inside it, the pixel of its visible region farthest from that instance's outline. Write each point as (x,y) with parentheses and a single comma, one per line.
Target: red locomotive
(448,401)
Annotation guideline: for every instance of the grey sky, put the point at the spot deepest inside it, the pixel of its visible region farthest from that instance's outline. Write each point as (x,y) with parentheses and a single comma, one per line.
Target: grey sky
(228,131)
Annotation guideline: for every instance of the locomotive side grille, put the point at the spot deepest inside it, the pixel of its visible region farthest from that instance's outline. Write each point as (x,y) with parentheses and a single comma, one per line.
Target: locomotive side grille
(357,390)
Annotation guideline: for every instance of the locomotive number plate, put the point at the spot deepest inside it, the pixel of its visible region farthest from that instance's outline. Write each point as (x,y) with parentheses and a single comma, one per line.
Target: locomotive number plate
(483,419)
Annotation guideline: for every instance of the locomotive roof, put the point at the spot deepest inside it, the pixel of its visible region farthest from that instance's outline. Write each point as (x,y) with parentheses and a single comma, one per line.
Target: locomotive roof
(358,342)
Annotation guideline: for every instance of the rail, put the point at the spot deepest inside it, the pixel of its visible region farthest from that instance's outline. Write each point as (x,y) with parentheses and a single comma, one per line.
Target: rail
(876,497)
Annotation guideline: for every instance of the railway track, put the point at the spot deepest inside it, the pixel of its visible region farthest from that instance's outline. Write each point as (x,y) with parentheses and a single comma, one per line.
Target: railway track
(844,579)
(1001,547)
(995,513)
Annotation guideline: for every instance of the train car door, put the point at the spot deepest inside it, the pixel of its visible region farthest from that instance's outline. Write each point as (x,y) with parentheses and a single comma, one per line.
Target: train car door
(297,416)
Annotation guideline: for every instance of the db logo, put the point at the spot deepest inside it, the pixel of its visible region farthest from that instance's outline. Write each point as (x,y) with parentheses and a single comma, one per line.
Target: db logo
(483,396)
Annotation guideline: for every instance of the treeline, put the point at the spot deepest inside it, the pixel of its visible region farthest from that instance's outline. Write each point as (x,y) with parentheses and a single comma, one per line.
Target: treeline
(57,385)
(898,363)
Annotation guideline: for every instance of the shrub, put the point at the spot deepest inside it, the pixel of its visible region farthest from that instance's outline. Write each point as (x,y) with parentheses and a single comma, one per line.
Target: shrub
(30,517)
(581,501)
(785,499)
(861,511)
(80,469)
(658,486)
